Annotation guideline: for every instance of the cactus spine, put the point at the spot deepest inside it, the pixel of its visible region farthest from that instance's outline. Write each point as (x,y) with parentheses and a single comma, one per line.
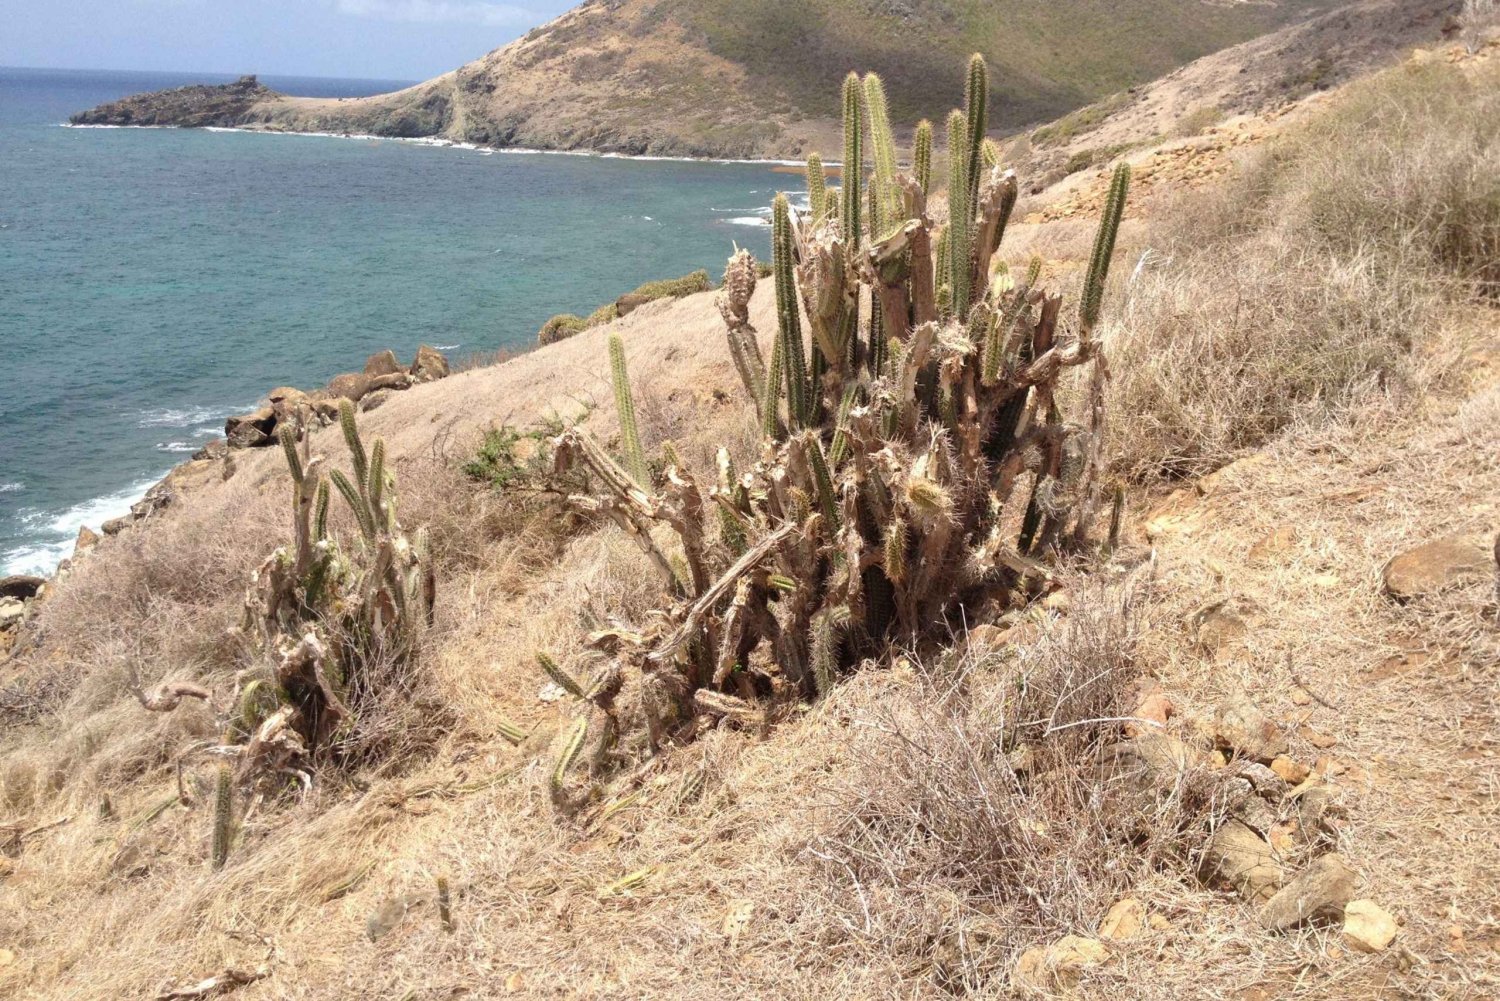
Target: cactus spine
(630,435)
(789,320)
(817,187)
(922,156)
(1104,247)
(854,155)
(223,816)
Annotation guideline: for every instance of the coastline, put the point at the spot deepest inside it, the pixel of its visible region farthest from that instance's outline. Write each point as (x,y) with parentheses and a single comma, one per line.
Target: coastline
(441,143)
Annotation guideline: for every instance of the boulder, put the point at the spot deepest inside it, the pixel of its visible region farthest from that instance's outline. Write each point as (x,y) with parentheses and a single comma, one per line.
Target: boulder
(1238,857)
(216,449)
(87,539)
(21,586)
(115,526)
(630,302)
(1124,920)
(1241,727)
(12,611)
(251,430)
(1368,927)
(373,400)
(394,380)
(1318,892)
(382,363)
(1437,566)
(349,386)
(430,364)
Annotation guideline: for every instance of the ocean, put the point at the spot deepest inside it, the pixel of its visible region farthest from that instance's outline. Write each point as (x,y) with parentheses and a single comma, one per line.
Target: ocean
(156,281)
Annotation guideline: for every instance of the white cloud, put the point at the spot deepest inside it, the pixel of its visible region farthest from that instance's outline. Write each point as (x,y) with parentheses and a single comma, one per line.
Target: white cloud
(452,11)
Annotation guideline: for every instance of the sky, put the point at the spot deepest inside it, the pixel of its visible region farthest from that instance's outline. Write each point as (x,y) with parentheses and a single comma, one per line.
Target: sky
(367,39)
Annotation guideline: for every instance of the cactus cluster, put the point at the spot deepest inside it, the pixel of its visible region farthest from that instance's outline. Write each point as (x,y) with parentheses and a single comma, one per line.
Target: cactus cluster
(326,621)
(906,477)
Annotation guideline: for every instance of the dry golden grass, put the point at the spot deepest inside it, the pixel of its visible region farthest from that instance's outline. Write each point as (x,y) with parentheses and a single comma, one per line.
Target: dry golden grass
(869,847)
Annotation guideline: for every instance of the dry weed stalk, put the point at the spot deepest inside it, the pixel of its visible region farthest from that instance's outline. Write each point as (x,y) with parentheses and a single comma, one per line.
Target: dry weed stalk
(882,502)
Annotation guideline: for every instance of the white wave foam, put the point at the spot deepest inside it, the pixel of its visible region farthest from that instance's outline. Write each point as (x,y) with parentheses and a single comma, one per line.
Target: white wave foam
(176,446)
(187,417)
(748,220)
(11,488)
(56,530)
(447,347)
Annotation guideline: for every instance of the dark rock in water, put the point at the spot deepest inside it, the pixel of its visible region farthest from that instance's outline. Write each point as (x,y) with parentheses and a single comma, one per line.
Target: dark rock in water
(21,586)
(382,363)
(430,364)
(190,107)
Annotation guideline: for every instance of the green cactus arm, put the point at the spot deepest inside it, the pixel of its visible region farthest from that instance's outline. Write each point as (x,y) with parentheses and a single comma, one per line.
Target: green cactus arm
(840,447)
(356,447)
(893,554)
(960,213)
(1104,247)
(356,503)
(630,435)
(511,733)
(976,121)
(569,754)
(562,678)
(320,512)
(288,439)
(922,156)
(854,156)
(223,816)
(883,145)
(375,491)
(817,187)
(828,502)
(789,319)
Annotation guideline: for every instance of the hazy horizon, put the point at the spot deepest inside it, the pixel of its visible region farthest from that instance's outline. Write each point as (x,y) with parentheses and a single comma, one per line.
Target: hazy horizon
(346,39)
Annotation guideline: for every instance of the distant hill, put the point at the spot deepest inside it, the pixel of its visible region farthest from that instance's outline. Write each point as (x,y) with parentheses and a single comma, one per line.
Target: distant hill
(756,77)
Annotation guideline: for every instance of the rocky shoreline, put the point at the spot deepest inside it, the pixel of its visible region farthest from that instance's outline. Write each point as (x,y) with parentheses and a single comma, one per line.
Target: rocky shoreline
(196,106)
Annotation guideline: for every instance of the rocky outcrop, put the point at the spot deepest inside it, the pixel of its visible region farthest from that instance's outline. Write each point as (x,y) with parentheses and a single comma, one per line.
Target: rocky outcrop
(383,373)
(196,106)
(1438,565)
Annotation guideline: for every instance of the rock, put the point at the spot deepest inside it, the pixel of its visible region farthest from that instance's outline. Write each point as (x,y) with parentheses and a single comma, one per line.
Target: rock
(252,430)
(1155,708)
(1436,566)
(383,363)
(1240,726)
(630,302)
(1367,926)
(1316,806)
(430,364)
(12,611)
(349,386)
(115,526)
(395,380)
(1291,772)
(286,394)
(1219,630)
(1152,763)
(1238,857)
(21,586)
(1160,922)
(87,539)
(1124,920)
(1059,965)
(214,450)
(373,400)
(1319,891)
(1275,544)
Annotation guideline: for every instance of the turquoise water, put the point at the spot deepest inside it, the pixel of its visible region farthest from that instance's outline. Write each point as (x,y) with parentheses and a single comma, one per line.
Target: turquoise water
(154,281)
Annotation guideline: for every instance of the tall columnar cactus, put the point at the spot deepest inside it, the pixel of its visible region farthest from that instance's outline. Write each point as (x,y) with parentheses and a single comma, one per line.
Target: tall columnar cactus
(960,213)
(223,816)
(854,158)
(788,318)
(921,156)
(885,190)
(630,434)
(817,187)
(976,121)
(931,469)
(1104,247)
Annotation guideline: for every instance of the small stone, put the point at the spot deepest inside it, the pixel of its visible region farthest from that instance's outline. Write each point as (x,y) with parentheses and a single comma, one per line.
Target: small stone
(1300,697)
(515,983)
(1278,542)
(6,958)
(1368,927)
(1437,566)
(1160,922)
(1319,891)
(1058,601)
(1321,741)
(1156,708)
(1059,965)
(1242,859)
(1123,920)
(1241,727)
(1218,630)
(1293,772)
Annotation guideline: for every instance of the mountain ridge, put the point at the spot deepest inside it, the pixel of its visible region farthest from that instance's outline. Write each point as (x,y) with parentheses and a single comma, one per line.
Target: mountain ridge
(752,78)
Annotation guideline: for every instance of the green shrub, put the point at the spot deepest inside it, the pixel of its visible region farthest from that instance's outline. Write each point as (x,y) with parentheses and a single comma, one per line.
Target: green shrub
(561,327)
(675,288)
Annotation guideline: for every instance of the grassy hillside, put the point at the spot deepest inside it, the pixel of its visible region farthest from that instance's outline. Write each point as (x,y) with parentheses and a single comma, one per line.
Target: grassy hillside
(754,78)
